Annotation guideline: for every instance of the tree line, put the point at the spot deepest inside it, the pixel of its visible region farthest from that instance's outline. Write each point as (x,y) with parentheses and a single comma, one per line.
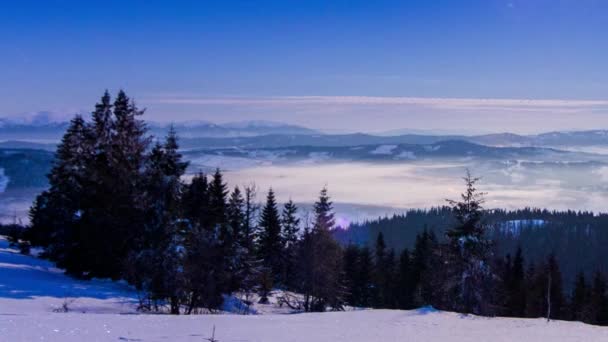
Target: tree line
(118,207)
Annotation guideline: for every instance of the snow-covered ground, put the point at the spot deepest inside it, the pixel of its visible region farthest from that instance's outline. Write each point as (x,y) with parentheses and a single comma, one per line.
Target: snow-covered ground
(31,291)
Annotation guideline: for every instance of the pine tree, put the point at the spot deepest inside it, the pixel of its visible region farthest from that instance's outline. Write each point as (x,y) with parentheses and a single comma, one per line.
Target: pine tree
(321,276)
(233,248)
(206,273)
(405,284)
(380,273)
(598,301)
(515,287)
(195,201)
(157,265)
(290,234)
(56,213)
(364,280)
(579,300)
(351,269)
(252,267)
(217,204)
(423,262)
(554,295)
(468,253)
(270,244)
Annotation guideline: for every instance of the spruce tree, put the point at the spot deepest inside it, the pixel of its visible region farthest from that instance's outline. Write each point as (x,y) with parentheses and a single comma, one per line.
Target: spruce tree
(157,268)
(233,248)
(351,263)
(321,276)
(56,213)
(251,265)
(515,287)
(290,224)
(598,301)
(380,273)
(364,279)
(206,269)
(423,270)
(270,244)
(405,283)
(469,274)
(579,300)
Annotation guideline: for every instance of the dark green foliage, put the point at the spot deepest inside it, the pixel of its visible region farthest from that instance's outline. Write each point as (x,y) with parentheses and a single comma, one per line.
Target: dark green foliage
(320,268)
(157,259)
(405,282)
(384,275)
(290,230)
(270,243)
(515,286)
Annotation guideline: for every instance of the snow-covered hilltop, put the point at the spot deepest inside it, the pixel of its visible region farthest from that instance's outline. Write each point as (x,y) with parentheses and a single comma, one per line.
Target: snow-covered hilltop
(33,294)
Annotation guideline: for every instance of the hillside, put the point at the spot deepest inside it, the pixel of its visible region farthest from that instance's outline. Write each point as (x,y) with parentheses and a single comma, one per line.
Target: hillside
(32,290)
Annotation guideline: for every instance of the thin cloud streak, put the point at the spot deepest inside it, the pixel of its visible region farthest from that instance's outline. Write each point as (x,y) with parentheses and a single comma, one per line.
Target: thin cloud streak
(436,102)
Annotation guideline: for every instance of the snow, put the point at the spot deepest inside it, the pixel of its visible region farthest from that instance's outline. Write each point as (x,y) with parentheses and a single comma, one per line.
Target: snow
(384,149)
(354,326)
(514,227)
(29,284)
(31,289)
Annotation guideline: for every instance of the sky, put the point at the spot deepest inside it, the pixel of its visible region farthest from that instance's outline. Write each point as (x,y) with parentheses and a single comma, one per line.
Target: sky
(453,66)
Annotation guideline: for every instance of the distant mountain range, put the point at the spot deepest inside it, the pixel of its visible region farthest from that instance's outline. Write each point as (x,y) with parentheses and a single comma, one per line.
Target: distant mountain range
(46,131)
(552,139)
(450,149)
(44,134)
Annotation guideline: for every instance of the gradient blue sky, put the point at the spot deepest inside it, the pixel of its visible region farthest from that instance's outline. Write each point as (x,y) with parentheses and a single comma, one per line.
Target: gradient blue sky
(487,65)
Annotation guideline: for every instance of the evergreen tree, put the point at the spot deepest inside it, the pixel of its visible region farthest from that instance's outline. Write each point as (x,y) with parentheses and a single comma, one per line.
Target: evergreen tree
(251,270)
(218,193)
(364,280)
(555,294)
(423,267)
(515,287)
(598,301)
(579,300)
(156,266)
(351,271)
(112,211)
(233,248)
(405,282)
(270,244)
(381,273)
(321,269)
(206,270)
(468,270)
(290,234)
(55,215)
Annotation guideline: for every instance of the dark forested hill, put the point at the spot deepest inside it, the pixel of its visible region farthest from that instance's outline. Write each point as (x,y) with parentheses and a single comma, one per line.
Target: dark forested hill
(25,168)
(578,239)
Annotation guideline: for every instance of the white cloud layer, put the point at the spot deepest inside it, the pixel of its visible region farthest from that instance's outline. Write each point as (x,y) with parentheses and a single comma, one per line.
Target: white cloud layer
(432,102)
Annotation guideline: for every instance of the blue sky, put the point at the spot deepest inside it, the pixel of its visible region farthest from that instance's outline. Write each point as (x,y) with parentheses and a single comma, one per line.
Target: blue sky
(489,65)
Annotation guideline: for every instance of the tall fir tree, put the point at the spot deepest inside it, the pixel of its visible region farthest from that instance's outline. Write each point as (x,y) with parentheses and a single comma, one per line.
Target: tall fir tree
(290,224)
(405,282)
(204,263)
(270,244)
(55,215)
(156,266)
(321,272)
(468,270)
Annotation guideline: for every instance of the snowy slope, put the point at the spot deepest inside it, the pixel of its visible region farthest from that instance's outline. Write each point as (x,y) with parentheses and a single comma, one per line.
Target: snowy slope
(30,290)
(354,326)
(31,285)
